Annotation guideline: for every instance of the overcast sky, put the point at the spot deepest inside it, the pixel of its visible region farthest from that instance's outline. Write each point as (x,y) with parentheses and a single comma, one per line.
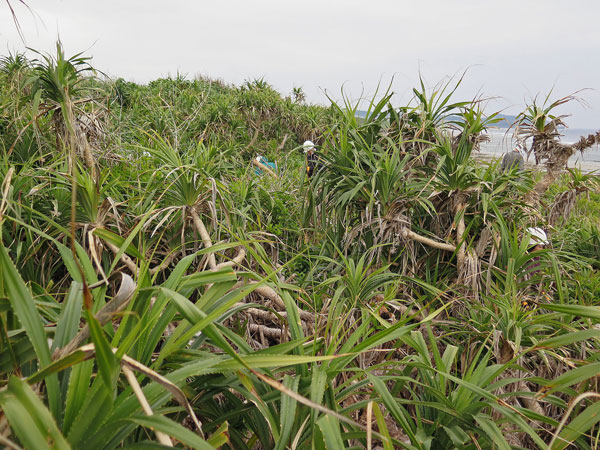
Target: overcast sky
(513,49)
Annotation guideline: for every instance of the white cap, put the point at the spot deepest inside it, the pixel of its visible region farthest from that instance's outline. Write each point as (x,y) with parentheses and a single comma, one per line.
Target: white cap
(308,145)
(537,236)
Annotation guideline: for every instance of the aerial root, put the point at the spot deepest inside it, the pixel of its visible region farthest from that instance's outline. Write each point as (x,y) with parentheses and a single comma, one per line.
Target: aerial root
(235,261)
(406,233)
(268,293)
(125,259)
(268,315)
(204,236)
(265,331)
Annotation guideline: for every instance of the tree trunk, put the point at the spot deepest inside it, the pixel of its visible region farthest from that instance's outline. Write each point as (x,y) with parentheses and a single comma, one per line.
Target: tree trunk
(557,162)
(86,151)
(459,211)
(554,168)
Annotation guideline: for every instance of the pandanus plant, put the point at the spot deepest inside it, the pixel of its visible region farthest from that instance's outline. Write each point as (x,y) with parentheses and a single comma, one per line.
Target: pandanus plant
(58,92)
(495,374)
(188,186)
(542,124)
(14,66)
(431,112)
(456,176)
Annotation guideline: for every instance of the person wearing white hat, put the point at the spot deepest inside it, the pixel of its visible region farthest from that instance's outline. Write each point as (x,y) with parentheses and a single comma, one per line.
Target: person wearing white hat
(537,241)
(537,238)
(311,157)
(513,158)
(308,146)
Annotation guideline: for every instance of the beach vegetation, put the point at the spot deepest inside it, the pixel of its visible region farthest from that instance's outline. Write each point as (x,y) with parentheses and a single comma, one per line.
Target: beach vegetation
(159,288)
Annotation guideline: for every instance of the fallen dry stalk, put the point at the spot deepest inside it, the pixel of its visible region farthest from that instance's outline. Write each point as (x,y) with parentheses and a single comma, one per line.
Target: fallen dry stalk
(177,393)
(5,188)
(406,311)
(8,444)
(370,425)
(137,390)
(305,401)
(572,406)
(129,363)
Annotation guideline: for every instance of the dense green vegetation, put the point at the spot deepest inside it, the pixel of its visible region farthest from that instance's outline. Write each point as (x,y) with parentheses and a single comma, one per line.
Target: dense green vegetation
(158,288)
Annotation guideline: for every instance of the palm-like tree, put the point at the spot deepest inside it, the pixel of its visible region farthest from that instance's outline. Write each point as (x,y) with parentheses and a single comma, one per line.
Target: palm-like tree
(57,86)
(14,65)
(540,123)
(187,185)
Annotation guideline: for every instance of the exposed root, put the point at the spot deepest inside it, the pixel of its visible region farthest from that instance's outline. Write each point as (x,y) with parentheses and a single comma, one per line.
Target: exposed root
(269,293)
(273,317)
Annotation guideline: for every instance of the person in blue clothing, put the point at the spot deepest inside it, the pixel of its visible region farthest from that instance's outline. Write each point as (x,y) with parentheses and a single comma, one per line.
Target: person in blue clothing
(264,162)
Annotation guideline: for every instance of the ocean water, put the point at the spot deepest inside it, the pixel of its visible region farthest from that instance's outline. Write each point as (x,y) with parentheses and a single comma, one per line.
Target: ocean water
(501,142)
